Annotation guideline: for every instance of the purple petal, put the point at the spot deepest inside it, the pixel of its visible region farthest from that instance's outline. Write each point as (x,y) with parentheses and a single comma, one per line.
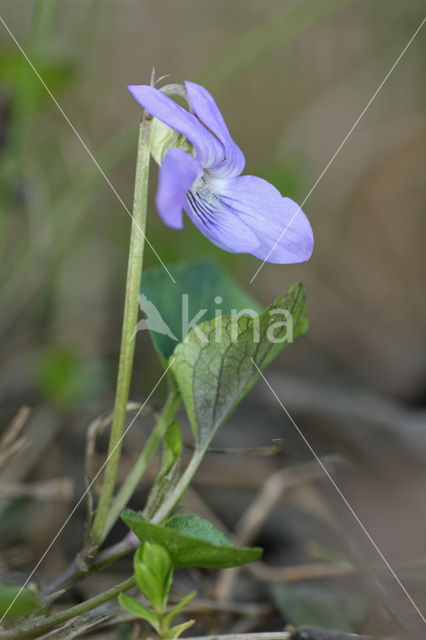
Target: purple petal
(218,224)
(209,150)
(207,111)
(178,173)
(282,229)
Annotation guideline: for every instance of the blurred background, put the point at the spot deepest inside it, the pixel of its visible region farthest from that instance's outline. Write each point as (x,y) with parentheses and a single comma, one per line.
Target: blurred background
(291,78)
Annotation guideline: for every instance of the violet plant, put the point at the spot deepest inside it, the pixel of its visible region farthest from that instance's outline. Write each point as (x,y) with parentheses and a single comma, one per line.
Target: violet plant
(200,172)
(210,362)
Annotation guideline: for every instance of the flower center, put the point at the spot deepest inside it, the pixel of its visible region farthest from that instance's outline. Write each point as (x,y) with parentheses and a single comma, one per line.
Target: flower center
(203,200)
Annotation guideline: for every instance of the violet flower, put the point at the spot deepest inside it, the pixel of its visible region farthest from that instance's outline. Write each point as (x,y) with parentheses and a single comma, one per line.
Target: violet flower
(200,172)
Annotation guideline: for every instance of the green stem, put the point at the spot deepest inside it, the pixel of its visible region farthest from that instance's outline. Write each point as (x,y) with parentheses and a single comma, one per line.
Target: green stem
(177,493)
(134,477)
(127,349)
(35,628)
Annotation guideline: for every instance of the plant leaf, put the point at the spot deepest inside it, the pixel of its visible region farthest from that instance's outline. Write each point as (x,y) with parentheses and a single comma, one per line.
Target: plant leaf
(138,609)
(25,602)
(178,608)
(175,632)
(203,282)
(215,370)
(200,528)
(189,551)
(153,574)
(321,605)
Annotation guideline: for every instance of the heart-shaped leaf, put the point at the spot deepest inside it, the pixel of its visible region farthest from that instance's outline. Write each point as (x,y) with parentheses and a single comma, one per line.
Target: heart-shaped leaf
(201,291)
(219,361)
(194,548)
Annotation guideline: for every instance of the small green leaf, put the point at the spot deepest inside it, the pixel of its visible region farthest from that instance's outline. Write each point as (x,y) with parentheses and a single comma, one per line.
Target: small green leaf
(153,574)
(175,632)
(214,366)
(200,528)
(148,586)
(186,550)
(24,601)
(136,608)
(198,285)
(178,608)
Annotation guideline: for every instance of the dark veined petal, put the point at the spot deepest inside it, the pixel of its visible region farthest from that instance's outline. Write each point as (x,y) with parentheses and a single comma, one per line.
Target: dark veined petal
(178,173)
(282,229)
(217,223)
(209,150)
(207,111)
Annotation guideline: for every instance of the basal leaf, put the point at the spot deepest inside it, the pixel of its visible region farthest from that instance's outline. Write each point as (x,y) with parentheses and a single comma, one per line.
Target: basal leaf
(201,290)
(187,550)
(214,366)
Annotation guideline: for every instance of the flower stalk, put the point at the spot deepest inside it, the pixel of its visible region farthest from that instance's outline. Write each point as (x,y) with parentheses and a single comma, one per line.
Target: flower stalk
(134,273)
(134,477)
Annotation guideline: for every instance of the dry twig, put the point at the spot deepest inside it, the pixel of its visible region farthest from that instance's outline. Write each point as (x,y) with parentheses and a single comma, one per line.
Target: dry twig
(10,442)
(57,489)
(15,428)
